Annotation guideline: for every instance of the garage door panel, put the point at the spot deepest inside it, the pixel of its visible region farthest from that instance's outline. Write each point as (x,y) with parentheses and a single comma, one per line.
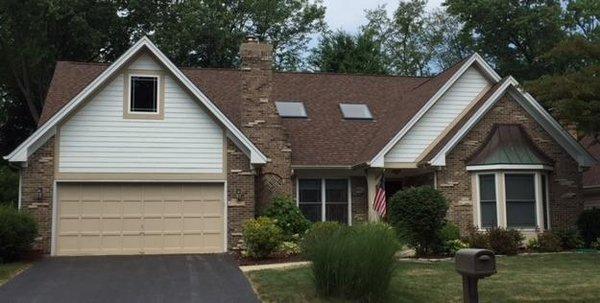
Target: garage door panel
(126,218)
(153,208)
(112,208)
(70,208)
(132,208)
(112,225)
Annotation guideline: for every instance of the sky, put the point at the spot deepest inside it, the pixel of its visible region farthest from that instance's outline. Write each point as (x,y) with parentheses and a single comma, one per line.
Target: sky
(349,15)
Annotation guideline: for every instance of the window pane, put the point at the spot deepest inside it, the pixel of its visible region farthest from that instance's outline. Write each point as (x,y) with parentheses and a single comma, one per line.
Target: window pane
(310,199)
(336,191)
(487,198)
(336,200)
(311,211)
(144,94)
(520,187)
(336,212)
(310,190)
(520,200)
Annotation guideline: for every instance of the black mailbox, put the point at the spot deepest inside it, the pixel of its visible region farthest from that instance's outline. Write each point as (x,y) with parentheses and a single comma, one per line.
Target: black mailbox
(476,263)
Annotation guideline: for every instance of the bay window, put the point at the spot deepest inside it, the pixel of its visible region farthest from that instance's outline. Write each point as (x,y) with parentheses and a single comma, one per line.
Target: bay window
(325,199)
(516,200)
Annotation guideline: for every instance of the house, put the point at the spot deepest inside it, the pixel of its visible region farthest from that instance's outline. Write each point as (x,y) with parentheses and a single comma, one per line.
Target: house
(591,177)
(142,157)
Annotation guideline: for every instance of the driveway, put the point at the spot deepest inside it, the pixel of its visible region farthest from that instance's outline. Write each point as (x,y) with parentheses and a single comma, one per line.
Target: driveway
(174,278)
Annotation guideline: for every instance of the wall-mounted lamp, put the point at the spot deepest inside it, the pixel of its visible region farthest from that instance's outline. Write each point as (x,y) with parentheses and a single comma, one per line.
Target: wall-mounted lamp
(40,194)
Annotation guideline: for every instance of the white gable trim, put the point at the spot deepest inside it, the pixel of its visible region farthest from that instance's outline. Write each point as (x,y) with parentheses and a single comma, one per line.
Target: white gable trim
(534,109)
(22,152)
(378,160)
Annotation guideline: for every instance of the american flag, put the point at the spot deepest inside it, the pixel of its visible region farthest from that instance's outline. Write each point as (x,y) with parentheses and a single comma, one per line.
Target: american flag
(380,203)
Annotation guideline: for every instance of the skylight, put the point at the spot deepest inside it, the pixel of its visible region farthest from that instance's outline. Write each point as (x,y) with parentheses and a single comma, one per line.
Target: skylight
(291,109)
(356,111)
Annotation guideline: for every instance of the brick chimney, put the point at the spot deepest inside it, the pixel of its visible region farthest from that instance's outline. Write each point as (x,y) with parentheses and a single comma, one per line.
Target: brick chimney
(262,124)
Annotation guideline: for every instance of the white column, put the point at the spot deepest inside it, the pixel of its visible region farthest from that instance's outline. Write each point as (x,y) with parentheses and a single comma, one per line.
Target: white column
(373,176)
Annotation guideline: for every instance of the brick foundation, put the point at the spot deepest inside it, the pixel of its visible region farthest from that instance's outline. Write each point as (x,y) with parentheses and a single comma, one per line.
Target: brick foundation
(566,200)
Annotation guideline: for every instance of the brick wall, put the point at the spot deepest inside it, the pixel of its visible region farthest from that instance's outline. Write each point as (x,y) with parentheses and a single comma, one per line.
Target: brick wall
(359,199)
(39,175)
(566,200)
(240,194)
(262,124)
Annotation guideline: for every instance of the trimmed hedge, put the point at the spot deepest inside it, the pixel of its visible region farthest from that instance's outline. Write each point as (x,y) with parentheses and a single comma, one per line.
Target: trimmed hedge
(17,233)
(418,214)
(262,237)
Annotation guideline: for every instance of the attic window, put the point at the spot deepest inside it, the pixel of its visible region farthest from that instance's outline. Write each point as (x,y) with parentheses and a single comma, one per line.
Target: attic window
(144,94)
(291,109)
(356,111)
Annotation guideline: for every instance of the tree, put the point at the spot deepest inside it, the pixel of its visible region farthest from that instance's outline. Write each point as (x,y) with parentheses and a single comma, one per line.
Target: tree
(511,34)
(416,42)
(405,37)
(341,52)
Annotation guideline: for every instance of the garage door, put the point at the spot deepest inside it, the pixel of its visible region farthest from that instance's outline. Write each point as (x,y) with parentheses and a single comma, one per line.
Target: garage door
(143,218)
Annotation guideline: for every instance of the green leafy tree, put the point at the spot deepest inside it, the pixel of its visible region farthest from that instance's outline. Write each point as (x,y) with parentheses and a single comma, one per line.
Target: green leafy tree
(341,52)
(572,90)
(511,34)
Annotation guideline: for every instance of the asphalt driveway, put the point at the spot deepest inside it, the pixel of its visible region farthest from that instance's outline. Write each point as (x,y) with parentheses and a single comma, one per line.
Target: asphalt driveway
(174,278)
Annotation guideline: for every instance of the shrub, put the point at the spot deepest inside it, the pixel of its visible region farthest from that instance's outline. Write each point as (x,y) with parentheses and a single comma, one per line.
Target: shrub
(588,224)
(449,232)
(288,217)
(533,244)
(450,236)
(452,246)
(318,232)
(569,238)
(289,248)
(546,242)
(596,244)
(17,233)
(418,214)
(261,236)
(355,263)
(476,238)
(503,241)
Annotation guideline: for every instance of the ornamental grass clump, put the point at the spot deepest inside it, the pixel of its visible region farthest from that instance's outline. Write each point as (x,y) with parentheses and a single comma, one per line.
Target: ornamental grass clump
(354,263)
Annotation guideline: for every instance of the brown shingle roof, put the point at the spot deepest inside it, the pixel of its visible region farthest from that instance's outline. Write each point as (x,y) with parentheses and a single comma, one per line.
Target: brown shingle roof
(324,138)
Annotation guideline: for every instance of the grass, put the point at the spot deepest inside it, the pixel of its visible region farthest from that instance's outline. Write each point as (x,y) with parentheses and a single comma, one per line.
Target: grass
(9,270)
(536,278)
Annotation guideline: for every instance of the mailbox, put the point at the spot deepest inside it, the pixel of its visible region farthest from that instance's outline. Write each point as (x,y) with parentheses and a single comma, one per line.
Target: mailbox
(476,263)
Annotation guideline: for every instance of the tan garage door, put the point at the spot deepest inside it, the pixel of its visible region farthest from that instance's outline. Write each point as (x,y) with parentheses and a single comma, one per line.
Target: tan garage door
(142,218)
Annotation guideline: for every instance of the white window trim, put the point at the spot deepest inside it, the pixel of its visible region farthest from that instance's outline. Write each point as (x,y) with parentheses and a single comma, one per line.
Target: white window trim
(323,195)
(501,199)
(158,93)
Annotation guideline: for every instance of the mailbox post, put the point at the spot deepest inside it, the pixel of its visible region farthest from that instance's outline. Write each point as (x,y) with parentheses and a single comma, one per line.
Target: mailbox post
(474,264)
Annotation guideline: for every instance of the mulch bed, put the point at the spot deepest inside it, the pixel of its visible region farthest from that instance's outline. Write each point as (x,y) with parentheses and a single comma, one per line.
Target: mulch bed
(243,261)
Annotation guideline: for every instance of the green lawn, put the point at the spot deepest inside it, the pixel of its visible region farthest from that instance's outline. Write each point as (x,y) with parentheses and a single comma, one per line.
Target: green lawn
(9,270)
(539,278)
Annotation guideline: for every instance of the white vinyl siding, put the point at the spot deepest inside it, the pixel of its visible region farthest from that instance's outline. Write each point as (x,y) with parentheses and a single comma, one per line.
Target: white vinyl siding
(97,139)
(145,63)
(438,117)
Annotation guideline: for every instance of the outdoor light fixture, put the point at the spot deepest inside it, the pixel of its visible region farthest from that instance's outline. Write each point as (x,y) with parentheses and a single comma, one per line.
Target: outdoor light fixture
(40,194)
